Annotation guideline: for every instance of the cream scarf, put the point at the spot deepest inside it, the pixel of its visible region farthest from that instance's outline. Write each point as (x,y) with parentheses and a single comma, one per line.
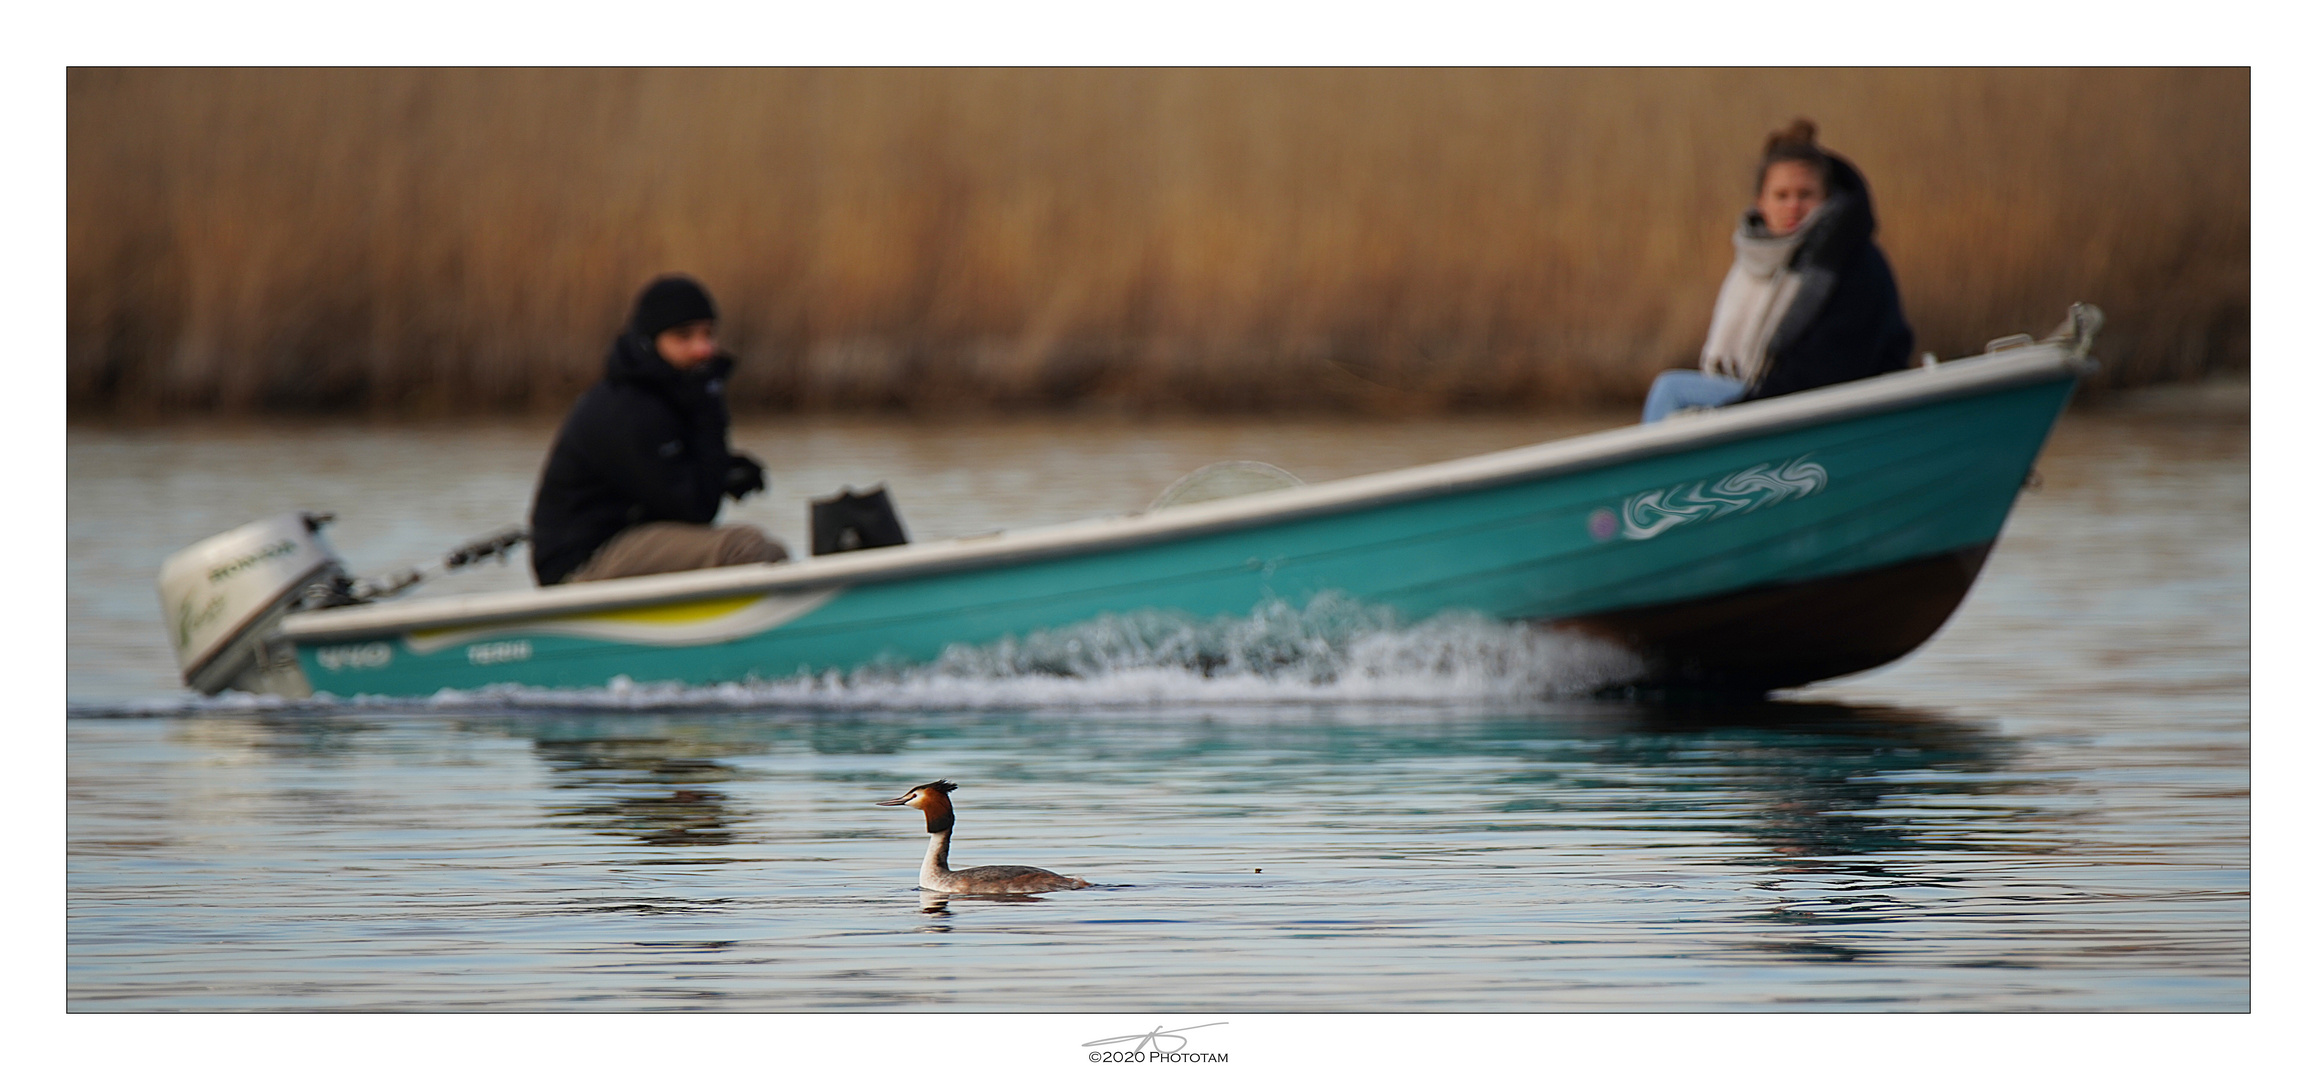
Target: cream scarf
(1754,299)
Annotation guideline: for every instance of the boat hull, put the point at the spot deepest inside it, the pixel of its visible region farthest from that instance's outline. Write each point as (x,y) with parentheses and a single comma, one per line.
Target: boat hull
(1790,634)
(1795,542)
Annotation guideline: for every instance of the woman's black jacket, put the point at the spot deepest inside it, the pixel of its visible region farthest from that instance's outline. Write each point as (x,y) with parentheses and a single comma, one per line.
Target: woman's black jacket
(1845,322)
(646,443)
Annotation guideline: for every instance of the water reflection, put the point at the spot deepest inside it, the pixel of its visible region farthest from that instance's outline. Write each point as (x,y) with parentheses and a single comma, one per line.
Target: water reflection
(1853,817)
(1805,785)
(1824,780)
(289,736)
(847,735)
(660,790)
(1584,843)
(937,904)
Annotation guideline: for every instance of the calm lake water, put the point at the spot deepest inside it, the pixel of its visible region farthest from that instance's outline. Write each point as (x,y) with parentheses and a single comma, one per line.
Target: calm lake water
(2044,809)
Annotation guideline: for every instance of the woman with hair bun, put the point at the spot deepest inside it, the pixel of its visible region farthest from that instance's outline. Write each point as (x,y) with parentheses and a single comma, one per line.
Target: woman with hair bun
(1809,300)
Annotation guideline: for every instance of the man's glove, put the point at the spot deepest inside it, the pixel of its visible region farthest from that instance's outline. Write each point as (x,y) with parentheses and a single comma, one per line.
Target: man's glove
(743,477)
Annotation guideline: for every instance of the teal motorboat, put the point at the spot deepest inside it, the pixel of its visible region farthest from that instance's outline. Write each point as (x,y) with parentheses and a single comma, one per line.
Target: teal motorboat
(1762,545)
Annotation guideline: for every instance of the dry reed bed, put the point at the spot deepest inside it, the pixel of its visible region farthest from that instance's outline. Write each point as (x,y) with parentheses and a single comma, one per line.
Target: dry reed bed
(457,241)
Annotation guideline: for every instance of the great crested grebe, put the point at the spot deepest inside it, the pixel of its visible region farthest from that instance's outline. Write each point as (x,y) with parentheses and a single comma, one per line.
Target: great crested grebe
(936,876)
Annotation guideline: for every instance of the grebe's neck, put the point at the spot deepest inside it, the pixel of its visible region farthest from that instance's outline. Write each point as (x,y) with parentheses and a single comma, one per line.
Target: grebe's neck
(940,819)
(936,857)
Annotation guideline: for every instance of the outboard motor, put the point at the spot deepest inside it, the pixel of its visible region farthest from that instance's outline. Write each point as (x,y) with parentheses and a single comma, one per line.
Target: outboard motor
(222,597)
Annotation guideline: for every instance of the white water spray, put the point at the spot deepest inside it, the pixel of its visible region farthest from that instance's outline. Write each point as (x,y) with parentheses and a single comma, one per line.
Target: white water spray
(1333,650)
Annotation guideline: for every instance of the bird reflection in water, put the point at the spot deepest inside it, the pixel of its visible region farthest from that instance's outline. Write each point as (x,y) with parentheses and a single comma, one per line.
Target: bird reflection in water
(937,905)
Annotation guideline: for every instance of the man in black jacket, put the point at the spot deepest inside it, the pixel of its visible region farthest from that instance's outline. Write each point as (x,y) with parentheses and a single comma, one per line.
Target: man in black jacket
(640,467)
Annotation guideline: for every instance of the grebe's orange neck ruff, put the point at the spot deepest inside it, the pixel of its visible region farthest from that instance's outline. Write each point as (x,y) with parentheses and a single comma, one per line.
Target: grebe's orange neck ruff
(939,816)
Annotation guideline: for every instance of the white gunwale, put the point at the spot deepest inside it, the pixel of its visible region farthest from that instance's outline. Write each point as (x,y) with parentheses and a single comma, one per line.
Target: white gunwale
(2026,365)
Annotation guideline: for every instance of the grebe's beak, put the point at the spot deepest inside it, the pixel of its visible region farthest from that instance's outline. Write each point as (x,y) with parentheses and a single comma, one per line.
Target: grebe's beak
(902,801)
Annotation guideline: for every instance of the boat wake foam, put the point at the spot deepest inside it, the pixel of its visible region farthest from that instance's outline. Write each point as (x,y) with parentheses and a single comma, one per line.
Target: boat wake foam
(1333,650)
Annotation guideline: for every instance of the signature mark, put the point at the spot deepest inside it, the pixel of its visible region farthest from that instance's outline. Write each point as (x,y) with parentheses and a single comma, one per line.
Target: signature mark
(1150,1039)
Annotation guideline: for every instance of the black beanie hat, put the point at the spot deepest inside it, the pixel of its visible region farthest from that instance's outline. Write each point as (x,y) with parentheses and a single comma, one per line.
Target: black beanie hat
(670,300)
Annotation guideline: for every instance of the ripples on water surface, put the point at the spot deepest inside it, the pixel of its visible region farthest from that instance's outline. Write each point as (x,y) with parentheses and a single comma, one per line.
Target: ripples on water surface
(2045,809)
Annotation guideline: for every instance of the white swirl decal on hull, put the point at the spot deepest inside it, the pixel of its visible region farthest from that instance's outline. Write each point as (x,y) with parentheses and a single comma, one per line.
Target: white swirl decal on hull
(1747,490)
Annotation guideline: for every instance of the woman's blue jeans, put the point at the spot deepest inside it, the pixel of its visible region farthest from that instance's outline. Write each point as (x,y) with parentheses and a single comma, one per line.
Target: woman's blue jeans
(1688,388)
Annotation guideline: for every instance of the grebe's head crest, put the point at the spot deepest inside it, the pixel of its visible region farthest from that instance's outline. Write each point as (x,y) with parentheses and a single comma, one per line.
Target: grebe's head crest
(932,798)
(938,788)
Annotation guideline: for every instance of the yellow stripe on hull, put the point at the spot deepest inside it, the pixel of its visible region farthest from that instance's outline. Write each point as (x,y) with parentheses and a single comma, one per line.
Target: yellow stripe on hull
(690,622)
